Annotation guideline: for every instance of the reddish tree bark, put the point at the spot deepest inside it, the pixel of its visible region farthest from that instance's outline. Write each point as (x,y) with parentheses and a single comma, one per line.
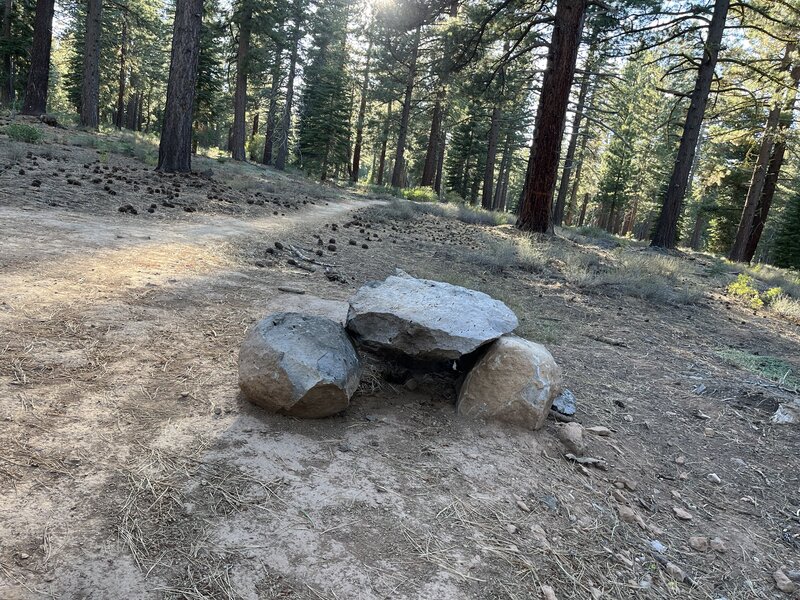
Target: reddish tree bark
(175,149)
(362,111)
(537,196)
(240,92)
(405,115)
(90,88)
(666,233)
(39,74)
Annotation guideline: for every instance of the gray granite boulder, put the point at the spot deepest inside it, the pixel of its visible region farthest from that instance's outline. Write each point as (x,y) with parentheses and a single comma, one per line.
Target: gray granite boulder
(299,365)
(423,319)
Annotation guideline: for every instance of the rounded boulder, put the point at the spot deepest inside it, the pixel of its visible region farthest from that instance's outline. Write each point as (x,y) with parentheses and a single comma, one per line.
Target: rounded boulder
(299,365)
(514,382)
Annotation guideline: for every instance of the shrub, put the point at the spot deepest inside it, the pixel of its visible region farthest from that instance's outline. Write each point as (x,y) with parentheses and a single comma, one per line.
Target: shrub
(421,194)
(20,132)
(742,288)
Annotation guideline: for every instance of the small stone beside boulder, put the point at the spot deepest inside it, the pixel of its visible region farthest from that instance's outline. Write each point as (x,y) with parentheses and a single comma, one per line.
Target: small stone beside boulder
(426,320)
(514,382)
(299,365)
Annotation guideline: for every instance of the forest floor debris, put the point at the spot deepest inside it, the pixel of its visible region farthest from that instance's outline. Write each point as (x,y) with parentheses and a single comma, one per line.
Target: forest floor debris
(131,467)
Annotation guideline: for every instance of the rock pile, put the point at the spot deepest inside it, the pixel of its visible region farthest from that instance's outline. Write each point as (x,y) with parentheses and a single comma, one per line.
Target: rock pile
(308,367)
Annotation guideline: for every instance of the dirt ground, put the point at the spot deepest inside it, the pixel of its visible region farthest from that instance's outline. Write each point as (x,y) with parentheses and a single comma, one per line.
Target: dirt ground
(131,468)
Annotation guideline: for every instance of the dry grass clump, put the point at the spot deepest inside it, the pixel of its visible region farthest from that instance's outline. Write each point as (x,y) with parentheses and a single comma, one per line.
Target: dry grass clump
(786,307)
(646,275)
(404,210)
(788,281)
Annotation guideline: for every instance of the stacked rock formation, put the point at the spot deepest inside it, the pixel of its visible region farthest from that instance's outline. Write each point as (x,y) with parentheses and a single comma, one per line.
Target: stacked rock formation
(308,366)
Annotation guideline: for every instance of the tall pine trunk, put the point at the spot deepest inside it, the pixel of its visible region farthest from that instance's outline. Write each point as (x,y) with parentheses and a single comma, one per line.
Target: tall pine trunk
(384,144)
(90,87)
(756,187)
(405,115)
(774,169)
(122,77)
(584,206)
(175,149)
(442,146)
(491,157)
(7,66)
(39,73)
(537,196)
(666,232)
(240,92)
(504,165)
(286,122)
(569,160)
(362,111)
(759,177)
(432,150)
(269,136)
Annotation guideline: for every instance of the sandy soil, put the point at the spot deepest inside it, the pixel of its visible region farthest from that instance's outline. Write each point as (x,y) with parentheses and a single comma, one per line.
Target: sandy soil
(131,468)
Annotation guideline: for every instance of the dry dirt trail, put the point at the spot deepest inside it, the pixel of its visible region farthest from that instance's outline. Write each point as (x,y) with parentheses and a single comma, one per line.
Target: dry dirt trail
(130,468)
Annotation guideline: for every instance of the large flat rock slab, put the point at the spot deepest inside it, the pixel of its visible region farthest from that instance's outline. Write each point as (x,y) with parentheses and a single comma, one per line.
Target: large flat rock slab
(299,365)
(427,320)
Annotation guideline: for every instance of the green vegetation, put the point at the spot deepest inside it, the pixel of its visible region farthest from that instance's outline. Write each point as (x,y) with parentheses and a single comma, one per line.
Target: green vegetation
(21,132)
(768,367)
(421,194)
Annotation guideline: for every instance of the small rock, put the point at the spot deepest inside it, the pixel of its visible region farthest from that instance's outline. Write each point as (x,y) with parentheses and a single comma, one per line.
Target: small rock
(709,432)
(598,430)
(714,478)
(511,528)
(681,460)
(682,514)
(522,505)
(625,483)
(548,593)
(626,514)
(571,435)
(24,556)
(783,583)
(718,545)
(278,246)
(657,546)
(628,418)
(674,571)
(699,543)
(565,403)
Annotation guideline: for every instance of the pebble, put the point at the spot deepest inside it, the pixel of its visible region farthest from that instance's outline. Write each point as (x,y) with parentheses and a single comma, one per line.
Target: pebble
(681,460)
(626,514)
(599,430)
(783,583)
(548,593)
(681,513)
(699,543)
(714,478)
(571,435)
(718,545)
(657,546)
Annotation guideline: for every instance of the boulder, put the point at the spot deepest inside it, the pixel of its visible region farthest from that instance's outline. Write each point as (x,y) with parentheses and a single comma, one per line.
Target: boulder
(514,382)
(427,320)
(298,365)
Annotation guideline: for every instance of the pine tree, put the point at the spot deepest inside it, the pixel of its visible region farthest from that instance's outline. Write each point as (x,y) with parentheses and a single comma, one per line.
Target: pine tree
(326,98)
(787,242)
